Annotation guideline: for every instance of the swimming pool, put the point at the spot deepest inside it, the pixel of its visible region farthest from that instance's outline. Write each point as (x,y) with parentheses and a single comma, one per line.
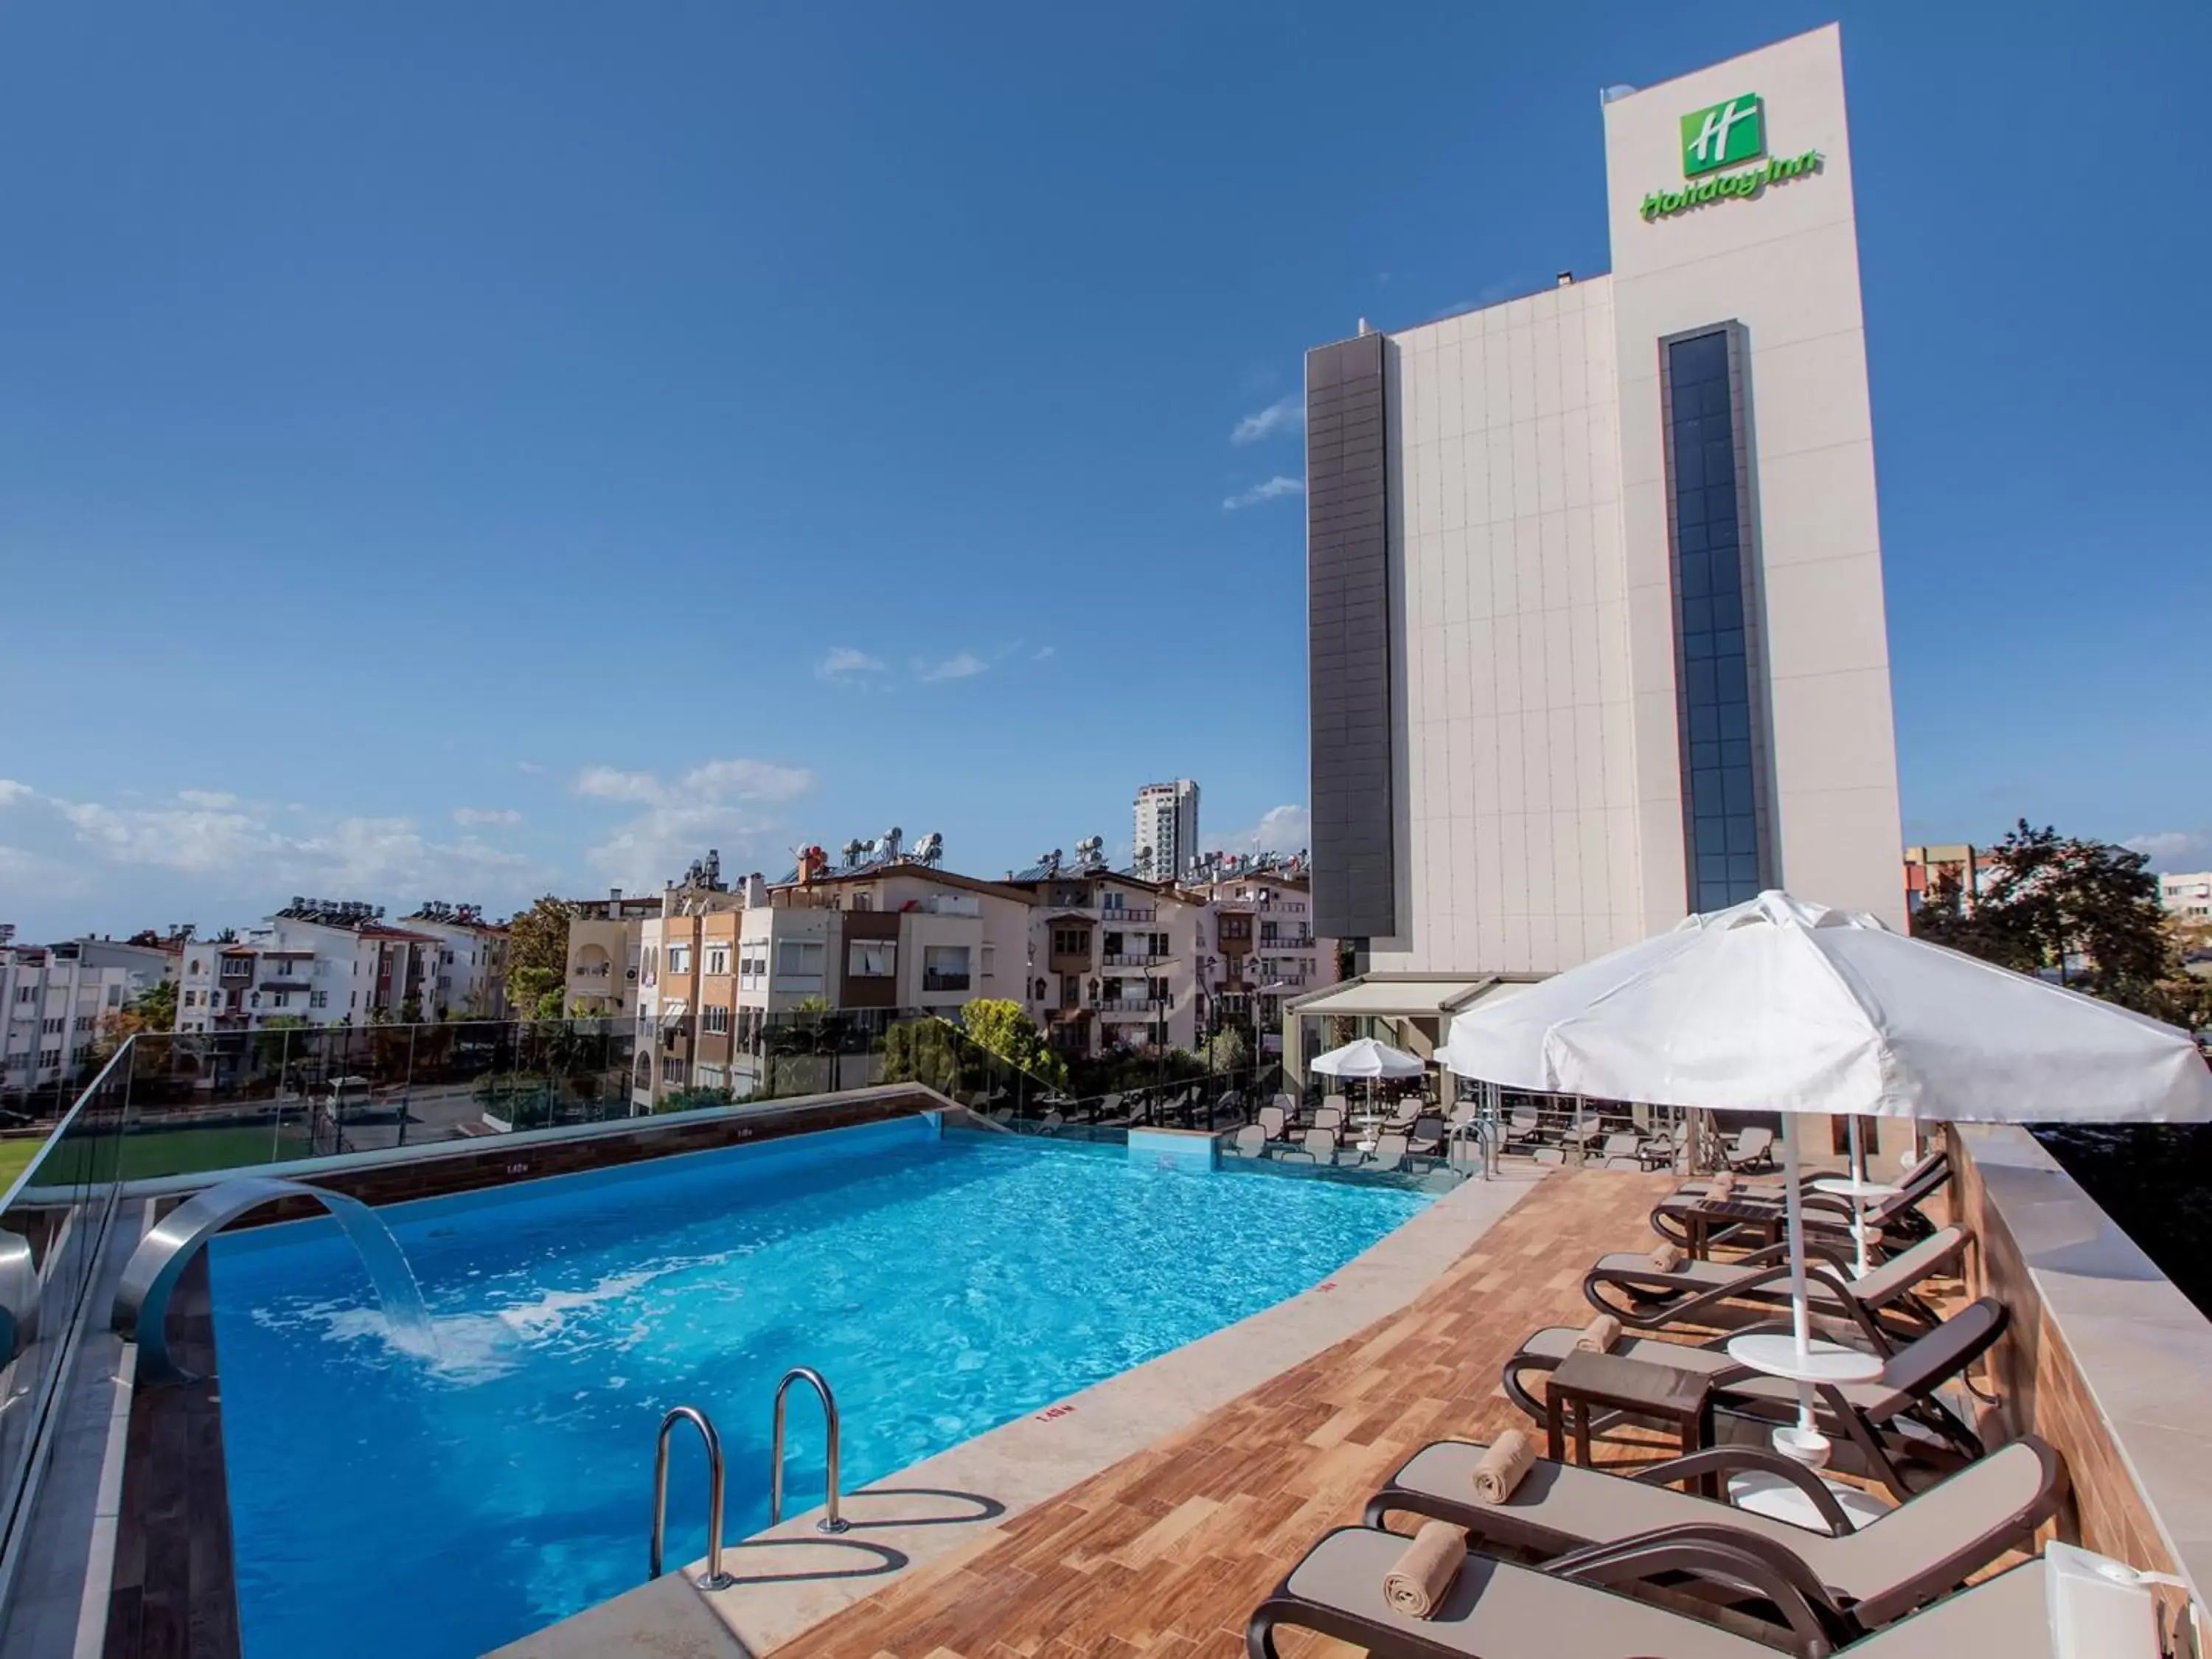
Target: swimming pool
(382,1506)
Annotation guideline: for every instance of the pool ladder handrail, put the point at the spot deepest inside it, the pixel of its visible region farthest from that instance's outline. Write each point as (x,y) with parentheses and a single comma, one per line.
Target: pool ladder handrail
(831,1521)
(716,1578)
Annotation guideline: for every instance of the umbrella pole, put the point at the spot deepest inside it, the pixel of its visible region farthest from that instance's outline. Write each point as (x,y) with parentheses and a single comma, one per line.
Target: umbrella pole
(1858,1194)
(1800,1320)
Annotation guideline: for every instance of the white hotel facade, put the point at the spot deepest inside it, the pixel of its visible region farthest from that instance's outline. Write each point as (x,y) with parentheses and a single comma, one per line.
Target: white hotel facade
(1596,585)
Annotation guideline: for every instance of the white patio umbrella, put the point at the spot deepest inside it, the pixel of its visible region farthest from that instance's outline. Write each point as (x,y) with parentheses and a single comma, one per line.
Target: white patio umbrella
(1779,1005)
(1369,1059)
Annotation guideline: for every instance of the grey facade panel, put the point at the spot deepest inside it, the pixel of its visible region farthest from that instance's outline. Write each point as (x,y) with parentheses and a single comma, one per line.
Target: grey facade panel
(1348,640)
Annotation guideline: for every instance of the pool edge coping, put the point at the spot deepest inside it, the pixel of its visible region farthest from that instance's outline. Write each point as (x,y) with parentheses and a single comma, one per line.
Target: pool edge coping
(783,1590)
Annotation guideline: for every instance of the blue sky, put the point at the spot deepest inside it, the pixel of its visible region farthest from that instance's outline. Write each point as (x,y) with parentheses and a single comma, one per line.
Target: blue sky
(454,450)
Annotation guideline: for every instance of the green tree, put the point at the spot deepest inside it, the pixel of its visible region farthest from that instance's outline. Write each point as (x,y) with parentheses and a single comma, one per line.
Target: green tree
(538,959)
(1003,1027)
(2085,909)
(1228,1050)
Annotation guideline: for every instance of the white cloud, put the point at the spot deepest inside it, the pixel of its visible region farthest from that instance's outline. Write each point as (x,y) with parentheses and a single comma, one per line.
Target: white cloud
(490,817)
(83,844)
(532,767)
(963,666)
(715,803)
(845,665)
(1280,829)
(1286,414)
(2170,849)
(1043,651)
(1278,485)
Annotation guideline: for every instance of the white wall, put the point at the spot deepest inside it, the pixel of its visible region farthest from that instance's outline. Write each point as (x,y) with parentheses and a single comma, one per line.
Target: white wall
(1784,264)
(1518,848)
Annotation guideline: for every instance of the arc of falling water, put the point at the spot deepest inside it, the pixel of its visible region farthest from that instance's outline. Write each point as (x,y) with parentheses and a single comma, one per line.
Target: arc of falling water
(142,1301)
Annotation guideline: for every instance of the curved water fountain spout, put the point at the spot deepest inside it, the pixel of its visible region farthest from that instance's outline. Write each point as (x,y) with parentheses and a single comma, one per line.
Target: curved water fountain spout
(142,1301)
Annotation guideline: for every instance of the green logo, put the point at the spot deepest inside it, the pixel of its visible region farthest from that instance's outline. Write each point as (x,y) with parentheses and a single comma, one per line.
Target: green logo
(1726,133)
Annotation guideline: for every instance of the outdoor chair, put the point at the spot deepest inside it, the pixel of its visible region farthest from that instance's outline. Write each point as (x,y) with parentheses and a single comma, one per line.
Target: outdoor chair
(1863,1578)
(1389,1152)
(1336,1104)
(1570,1610)
(1623,1150)
(1751,1149)
(1891,1430)
(1320,1147)
(1250,1141)
(1427,1138)
(1287,1104)
(1330,1118)
(1886,1304)
(1274,1123)
(1827,1217)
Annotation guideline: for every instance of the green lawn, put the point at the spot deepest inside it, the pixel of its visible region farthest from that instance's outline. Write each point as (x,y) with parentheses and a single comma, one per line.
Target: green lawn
(16,1156)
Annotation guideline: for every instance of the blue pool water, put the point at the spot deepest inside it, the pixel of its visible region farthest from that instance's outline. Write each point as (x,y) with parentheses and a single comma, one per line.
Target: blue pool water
(383,1505)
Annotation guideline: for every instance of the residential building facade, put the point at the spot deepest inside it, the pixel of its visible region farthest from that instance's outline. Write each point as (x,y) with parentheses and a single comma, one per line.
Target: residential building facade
(2188,897)
(1264,949)
(1165,829)
(1597,622)
(1927,867)
(720,967)
(321,962)
(606,942)
(467,979)
(1112,959)
(54,999)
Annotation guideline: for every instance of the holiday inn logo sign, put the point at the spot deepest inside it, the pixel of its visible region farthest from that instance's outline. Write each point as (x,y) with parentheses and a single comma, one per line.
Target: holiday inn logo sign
(1717,138)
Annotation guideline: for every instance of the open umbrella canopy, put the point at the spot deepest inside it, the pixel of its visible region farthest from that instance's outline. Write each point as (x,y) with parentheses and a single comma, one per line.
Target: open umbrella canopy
(1779,1005)
(1369,1059)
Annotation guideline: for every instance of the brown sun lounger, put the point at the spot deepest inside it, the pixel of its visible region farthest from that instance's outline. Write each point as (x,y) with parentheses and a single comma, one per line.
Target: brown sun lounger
(1495,1610)
(1925,1548)
(1893,1429)
(1828,1218)
(1885,1304)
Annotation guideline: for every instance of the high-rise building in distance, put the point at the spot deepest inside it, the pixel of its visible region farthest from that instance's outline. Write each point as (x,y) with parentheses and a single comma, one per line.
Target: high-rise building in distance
(1166,835)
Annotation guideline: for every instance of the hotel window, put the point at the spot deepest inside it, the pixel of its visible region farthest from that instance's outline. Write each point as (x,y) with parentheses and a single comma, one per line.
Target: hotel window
(679,959)
(1070,942)
(871,958)
(673,1070)
(718,959)
(1722,808)
(798,965)
(753,963)
(715,1021)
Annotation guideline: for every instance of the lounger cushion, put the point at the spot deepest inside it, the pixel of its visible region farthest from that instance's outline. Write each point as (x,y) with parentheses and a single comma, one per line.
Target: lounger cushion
(1497,1611)
(1564,1507)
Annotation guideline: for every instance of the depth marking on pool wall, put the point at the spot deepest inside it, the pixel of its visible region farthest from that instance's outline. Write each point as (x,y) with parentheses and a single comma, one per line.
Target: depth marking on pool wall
(1052,1412)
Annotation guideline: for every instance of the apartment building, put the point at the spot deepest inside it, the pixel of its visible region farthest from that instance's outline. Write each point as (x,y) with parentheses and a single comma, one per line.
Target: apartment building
(467,979)
(1925,867)
(721,966)
(327,962)
(1164,829)
(1113,958)
(1264,951)
(2188,897)
(607,944)
(53,999)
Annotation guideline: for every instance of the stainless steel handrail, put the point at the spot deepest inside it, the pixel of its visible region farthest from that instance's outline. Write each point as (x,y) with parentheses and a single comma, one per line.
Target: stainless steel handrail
(715,1579)
(830,1522)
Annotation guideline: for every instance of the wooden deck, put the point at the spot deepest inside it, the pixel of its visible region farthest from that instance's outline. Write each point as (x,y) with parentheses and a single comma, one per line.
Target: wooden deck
(1164,1555)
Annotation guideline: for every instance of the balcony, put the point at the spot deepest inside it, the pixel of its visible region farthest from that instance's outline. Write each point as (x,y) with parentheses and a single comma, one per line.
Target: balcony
(1267,943)
(591,970)
(1136,958)
(1109,918)
(1129,1004)
(945,981)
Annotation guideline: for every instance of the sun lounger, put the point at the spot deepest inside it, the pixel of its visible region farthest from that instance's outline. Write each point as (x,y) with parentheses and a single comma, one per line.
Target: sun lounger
(1923,1549)
(1891,1428)
(1886,1304)
(1274,1123)
(1320,1147)
(1389,1152)
(1250,1141)
(1827,1217)
(1495,1610)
